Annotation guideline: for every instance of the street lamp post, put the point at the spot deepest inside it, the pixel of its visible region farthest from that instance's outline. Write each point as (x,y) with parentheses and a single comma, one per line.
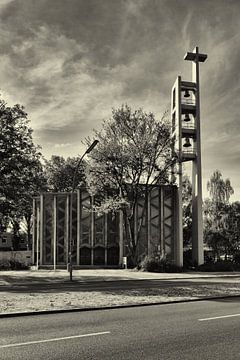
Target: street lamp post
(70,265)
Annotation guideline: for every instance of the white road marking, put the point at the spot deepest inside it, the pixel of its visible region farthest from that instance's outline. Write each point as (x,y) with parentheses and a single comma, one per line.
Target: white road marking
(219,317)
(55,339)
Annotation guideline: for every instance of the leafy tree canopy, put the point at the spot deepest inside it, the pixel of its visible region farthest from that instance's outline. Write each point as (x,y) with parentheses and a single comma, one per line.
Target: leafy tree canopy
(60,173)
(133,149)
(21,174)
(219,189)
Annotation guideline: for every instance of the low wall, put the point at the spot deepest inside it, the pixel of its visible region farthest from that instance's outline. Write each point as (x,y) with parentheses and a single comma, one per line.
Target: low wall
(24,257)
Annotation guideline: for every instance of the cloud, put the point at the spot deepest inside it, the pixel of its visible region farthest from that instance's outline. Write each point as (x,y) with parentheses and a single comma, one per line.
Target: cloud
(3,4)
(70,62)
(62,145)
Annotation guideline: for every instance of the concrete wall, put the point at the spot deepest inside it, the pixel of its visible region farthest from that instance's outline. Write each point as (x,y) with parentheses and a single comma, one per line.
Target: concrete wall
(24,257)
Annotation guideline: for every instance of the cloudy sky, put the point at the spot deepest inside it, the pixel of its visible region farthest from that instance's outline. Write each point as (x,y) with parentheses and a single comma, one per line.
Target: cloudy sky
(69,62)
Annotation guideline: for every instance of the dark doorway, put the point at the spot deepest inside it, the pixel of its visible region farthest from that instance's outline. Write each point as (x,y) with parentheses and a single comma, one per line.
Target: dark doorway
(99,256)
(85,256)
(113,255)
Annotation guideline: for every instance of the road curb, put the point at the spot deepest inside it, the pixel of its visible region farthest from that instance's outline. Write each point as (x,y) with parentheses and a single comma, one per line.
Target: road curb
(59,311)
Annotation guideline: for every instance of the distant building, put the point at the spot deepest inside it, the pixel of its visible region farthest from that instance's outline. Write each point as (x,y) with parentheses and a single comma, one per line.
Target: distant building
(7,242)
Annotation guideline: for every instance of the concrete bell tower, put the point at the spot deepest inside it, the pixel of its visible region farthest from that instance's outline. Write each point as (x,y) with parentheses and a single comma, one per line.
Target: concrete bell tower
(186,134)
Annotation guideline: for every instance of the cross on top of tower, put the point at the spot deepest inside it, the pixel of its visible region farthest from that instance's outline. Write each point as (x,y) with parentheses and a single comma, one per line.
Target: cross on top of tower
(195,56)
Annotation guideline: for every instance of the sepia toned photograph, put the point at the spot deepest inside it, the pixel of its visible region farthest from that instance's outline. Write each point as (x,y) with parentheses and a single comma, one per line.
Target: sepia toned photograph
(119,179)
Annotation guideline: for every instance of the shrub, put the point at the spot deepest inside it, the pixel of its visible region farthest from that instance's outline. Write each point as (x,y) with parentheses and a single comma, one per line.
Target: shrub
(151,264)
(13,265)
(236,258)
(221,265)
(5,265)
(17,265)
(172,268)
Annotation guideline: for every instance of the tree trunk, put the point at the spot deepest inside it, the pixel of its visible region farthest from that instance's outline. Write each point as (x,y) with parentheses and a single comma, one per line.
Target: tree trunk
(16,237)
(29,228)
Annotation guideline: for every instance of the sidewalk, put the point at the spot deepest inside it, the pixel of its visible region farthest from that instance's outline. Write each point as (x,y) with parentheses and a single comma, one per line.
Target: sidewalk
(33,291)
(103,275)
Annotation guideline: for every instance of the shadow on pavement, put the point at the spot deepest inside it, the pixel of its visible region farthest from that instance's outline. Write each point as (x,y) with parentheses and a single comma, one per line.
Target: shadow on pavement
(118,286)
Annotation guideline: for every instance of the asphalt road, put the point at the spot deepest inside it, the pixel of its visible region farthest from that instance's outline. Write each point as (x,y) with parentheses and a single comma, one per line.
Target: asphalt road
(194,330)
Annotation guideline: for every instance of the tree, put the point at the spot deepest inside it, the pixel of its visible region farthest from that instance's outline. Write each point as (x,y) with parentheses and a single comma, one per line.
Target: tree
(21,174)
(232,229)
(216,211)
(35,183)
(134,151)
(60,173)
(220,191)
